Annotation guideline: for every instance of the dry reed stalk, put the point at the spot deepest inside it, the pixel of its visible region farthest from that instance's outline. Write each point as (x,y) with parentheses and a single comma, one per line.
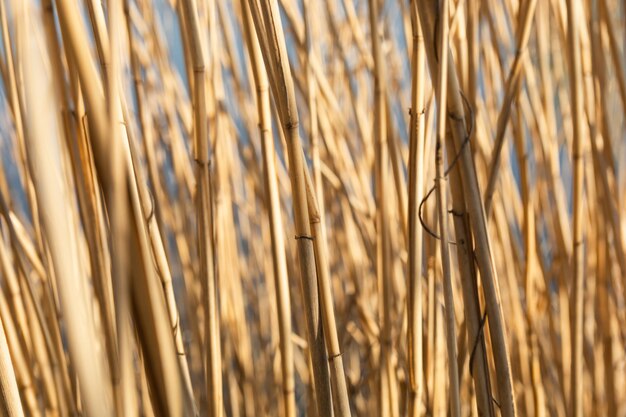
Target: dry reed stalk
(383,267)
(574,14)
(161,267)
(268,26)
(225,196)
(439,394)
(118,205)
(16,74)
(87,199)
(11,403)
(338,377)
(415,235)
(320,238)
(204,212)
(614,48)
(23,375)
(397,168)
(10,84)
(149,209)
(18,310)
(604,318)
(601,143)
(171,385)
(478,221)
(76,46)
(442,208)
(512,87)
(14,90)
(40,339)
(530,250)
(150,314)
(333,85)
(281,283)
(478,360)
(475,319)
(47,173)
